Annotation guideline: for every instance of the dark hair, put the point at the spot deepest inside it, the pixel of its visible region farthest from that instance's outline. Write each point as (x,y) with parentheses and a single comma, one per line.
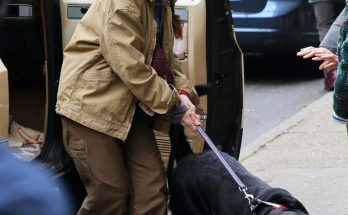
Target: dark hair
(176,21)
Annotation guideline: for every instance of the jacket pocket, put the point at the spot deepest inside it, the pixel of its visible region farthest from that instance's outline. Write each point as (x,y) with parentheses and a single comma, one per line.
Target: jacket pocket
(99,75)
(102,94)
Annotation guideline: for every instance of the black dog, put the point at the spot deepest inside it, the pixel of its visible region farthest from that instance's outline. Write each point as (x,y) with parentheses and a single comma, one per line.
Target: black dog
(200,185)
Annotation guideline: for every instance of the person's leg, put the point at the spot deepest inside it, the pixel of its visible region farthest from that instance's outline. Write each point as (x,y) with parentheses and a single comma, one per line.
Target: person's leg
(325,14)
(146,170)
(100,163)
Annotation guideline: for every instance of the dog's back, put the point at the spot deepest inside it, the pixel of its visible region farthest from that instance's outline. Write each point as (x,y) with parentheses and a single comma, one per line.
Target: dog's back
(201,186)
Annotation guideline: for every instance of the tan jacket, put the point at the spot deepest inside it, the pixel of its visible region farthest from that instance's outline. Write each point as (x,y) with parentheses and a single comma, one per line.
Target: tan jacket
(106,68)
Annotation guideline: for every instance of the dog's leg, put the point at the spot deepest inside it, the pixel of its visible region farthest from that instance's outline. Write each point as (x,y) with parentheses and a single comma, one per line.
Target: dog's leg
(180,145)
(179,148)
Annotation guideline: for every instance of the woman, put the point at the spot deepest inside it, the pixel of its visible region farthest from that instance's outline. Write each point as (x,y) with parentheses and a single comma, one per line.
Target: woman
(119,81)
(331,60)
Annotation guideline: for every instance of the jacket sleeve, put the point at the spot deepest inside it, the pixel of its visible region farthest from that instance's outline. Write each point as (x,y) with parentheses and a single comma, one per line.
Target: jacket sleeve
(121,44)
(182,83)
(331,38)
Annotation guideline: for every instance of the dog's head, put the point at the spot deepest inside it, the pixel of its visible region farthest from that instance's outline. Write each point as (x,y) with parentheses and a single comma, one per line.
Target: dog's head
(286,212)
(282,197)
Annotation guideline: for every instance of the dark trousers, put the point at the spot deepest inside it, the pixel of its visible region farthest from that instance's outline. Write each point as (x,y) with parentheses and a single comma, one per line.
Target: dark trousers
(116,173)
(325,14)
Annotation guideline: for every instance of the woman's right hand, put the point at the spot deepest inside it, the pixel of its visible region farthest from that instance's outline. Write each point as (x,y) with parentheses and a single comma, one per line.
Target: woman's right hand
(190,118)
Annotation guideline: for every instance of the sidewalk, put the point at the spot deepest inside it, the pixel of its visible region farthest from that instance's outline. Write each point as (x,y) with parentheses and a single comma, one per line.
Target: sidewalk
(306,155)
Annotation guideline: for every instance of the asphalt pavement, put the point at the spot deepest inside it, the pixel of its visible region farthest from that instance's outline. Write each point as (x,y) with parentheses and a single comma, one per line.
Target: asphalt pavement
(307,155)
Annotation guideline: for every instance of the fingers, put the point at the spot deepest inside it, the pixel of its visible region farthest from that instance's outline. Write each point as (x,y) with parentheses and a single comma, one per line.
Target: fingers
(328,65)
(306,52)
(190,119)
(331,57)
(322,66)
(306,49)
(196,119)
(330,61)
(310,52)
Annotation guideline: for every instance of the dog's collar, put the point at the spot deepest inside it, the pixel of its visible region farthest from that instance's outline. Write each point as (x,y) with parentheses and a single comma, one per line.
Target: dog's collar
(258,202)
(274,205)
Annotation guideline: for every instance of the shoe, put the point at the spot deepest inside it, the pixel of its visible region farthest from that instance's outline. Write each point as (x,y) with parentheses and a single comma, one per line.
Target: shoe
(339,119)
(330,79)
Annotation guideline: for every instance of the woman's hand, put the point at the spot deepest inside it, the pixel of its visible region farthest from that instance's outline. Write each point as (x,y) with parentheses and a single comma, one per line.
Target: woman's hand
(184,99)
(330,60)
(190,118)
(310,52)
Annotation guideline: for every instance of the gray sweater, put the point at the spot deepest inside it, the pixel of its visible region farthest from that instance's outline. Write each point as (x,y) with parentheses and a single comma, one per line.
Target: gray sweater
(331,38)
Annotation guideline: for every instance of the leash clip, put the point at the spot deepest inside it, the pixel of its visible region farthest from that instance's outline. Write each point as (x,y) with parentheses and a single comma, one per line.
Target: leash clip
(253,202)
(248,196)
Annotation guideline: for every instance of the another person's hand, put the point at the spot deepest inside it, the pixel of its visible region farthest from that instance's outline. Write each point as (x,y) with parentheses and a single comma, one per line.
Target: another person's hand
(310,52)
(330,61)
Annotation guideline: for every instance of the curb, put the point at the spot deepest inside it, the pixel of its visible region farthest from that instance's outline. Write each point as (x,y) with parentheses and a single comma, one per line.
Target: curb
(250,149)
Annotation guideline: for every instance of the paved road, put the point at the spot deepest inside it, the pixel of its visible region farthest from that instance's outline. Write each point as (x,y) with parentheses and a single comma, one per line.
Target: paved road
(273,95)
(306,155)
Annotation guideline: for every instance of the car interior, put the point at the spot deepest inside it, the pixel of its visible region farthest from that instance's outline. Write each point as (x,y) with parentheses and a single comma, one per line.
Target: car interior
(22,52)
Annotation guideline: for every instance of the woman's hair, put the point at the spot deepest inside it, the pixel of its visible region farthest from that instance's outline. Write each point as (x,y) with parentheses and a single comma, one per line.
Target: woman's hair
(177,22)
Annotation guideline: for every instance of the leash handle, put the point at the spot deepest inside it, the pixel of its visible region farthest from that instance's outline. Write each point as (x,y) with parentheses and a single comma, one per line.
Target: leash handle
(210,143)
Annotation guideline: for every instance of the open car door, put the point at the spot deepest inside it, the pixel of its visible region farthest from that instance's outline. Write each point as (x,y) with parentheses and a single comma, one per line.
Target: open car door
(225,70)
(210,55)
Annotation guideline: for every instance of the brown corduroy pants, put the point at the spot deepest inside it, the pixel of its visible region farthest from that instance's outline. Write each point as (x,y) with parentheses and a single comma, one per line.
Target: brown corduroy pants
(116,173)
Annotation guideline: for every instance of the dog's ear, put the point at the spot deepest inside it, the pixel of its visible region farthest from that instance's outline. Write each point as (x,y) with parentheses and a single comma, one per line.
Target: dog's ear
(286,212)
(283,197)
